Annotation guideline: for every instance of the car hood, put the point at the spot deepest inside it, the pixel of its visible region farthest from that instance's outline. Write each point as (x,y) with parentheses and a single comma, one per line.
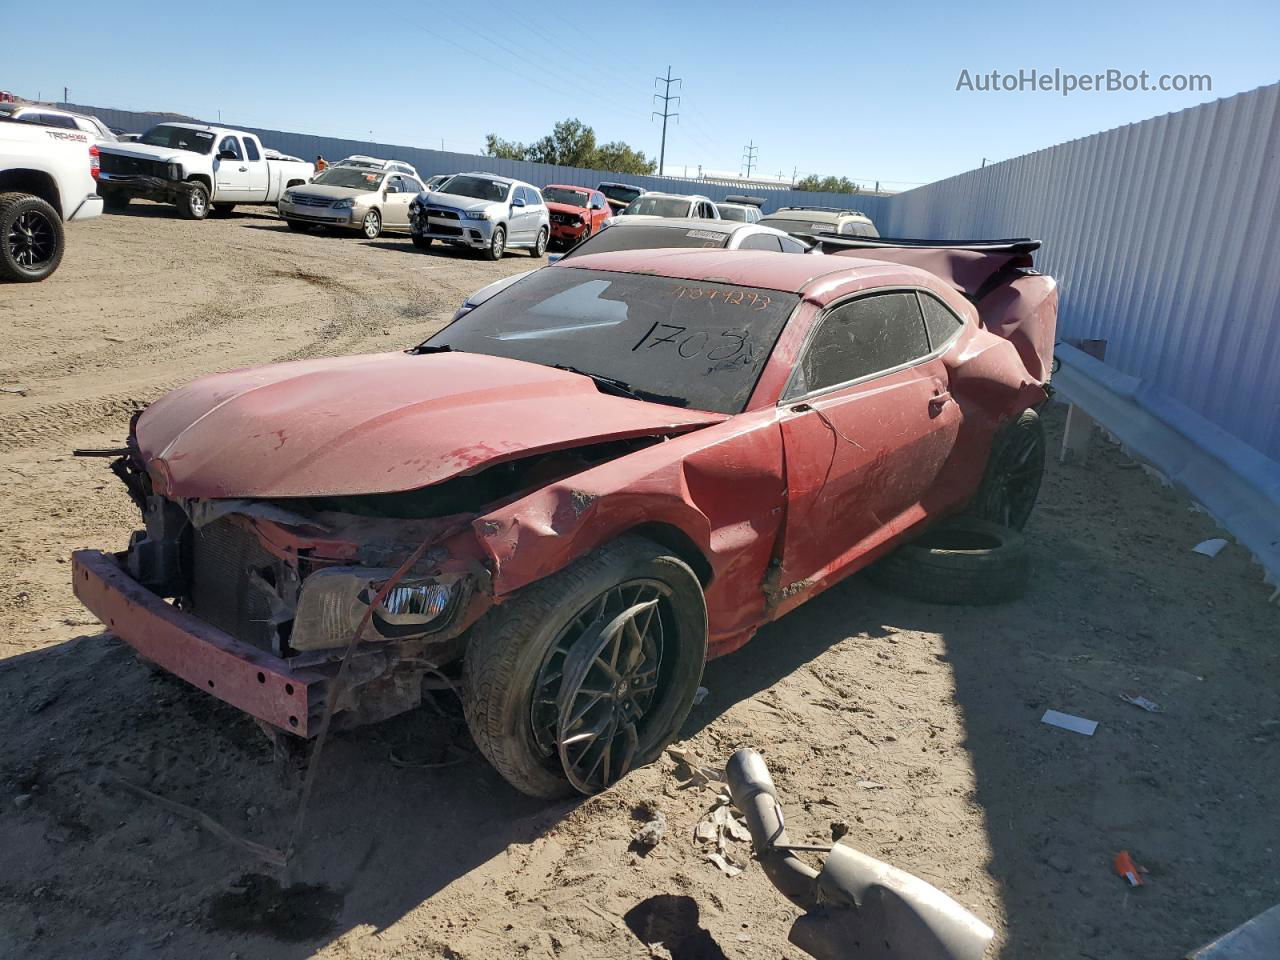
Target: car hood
(379,423)
(333,193)
(569,208)
(144,151)
(459,203)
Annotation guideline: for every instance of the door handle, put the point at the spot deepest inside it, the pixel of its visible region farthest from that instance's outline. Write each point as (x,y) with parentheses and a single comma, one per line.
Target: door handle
(938,401)
(244,169)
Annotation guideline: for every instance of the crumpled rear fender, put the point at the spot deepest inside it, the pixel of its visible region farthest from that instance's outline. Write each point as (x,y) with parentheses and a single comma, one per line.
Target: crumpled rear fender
(721,488)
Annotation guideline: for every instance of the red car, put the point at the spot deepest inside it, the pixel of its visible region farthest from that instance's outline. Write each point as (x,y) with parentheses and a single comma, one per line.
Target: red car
(567,500)
(576,212)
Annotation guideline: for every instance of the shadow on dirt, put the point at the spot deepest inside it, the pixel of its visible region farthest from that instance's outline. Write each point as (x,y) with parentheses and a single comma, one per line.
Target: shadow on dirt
(671,922)
(165,211)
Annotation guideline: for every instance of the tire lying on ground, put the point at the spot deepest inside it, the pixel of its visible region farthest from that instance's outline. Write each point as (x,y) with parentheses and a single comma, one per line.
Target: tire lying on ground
(614,643)
(31,238)
(965,561)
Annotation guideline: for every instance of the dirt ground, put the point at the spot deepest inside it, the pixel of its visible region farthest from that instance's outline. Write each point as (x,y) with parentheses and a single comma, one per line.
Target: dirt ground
(918,727)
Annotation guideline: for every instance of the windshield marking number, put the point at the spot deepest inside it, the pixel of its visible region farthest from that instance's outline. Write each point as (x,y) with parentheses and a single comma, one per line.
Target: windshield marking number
(730,343)
(737,298)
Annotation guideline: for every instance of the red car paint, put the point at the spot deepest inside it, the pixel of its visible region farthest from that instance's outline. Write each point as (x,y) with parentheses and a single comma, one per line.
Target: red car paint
(571,223)
(771,506)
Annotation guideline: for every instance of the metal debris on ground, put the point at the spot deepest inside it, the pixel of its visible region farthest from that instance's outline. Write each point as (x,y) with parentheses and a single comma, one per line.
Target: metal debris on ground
(1125,867)
(692,774)
(1066,721)
(1210,548)
(719,826)
(19,390)
(870,785)
(1139,701)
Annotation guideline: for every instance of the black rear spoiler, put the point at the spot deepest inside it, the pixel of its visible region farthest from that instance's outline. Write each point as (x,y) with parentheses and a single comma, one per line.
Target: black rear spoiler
(830,242)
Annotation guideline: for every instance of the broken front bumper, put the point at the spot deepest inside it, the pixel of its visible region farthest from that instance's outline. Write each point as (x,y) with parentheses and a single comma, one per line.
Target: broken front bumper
(261,685)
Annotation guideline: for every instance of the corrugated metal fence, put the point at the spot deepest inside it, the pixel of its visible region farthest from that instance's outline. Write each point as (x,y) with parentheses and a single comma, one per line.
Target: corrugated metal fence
(1162,234)
(1164,238)
(430,162)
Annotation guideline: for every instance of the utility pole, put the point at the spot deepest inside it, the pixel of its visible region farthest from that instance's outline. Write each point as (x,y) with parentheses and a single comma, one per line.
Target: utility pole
(66,97)
(984,161)
(666,99)
(750,156)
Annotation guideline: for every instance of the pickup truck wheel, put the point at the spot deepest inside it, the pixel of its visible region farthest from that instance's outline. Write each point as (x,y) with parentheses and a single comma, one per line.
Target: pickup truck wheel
(589,673)
(959,562)
(371,226)
(31,238)
(223,209)
(497,244)
(1015,468)
(540,245)
(421,242)
(195,205)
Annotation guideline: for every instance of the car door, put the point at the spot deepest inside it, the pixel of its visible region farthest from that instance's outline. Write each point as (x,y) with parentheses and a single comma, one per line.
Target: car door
(231,179)
(522,217)
(600,211)
(258,183)
(868,425)
(400,193)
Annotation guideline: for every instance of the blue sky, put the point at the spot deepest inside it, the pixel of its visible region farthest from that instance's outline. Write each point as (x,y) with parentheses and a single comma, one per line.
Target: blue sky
(863,90)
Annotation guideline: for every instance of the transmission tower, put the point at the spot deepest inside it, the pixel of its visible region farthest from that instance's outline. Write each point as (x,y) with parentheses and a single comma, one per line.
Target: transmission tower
(666,113)
(750,155)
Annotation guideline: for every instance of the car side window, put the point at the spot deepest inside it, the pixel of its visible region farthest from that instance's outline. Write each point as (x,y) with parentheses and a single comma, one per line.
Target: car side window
(51,120)
(761,241)
(251,149)
(860,338)
(534,197)
(941,323)
(412,185)
(792,246)
(231,145)
(518,194)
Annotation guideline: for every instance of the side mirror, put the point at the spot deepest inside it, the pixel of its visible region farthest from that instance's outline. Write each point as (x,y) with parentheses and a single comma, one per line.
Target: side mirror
(517,202)
(227,155)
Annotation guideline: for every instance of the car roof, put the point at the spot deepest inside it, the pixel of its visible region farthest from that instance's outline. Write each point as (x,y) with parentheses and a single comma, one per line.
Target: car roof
(568,186)
(681,223)
(817,216)
(677,196)
(618,183)
(785,272)
(493,176)
(189,126)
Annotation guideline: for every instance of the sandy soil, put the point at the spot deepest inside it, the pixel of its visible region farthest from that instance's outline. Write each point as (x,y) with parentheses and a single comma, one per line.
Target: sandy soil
(916,727)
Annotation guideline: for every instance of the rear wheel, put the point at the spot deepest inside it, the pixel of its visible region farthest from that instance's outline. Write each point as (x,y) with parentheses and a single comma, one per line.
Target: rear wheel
(194,205)
(31,238)
(1015,468)
(421,242)
(589,673)
(540,245)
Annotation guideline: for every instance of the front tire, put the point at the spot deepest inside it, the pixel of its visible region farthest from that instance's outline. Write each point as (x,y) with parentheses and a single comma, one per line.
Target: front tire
(31,238)
(533,665)
(371,225)
(497,244)
(539,248)
(298,226)
(421,242)
(195,205)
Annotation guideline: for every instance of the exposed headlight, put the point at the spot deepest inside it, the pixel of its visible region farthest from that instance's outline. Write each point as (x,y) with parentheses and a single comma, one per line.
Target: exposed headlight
(175,171)
(288,197)
(343,204)
(333,602)
(475,214)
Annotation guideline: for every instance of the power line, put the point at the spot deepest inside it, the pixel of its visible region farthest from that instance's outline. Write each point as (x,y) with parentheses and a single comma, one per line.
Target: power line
(666,99)
(750,156)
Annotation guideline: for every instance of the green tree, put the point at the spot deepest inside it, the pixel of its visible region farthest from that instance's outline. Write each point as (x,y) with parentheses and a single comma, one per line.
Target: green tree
(817,184)
(572,144)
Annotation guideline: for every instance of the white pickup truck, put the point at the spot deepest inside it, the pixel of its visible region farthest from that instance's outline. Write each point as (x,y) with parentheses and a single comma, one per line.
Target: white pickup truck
(199,168)
(47,176)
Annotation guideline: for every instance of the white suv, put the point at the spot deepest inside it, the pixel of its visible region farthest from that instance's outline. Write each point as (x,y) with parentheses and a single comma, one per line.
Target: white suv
(482,211)
(64,119)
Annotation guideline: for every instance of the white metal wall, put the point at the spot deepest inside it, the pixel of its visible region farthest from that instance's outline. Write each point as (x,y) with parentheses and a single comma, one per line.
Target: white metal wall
(1163,236)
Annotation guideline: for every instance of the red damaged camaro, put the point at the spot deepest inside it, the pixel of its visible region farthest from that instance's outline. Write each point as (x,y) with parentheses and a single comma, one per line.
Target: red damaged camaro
(570,498)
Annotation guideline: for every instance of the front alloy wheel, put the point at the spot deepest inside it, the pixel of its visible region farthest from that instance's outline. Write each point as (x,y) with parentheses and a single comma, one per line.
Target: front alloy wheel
(540,245)
(371,226)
